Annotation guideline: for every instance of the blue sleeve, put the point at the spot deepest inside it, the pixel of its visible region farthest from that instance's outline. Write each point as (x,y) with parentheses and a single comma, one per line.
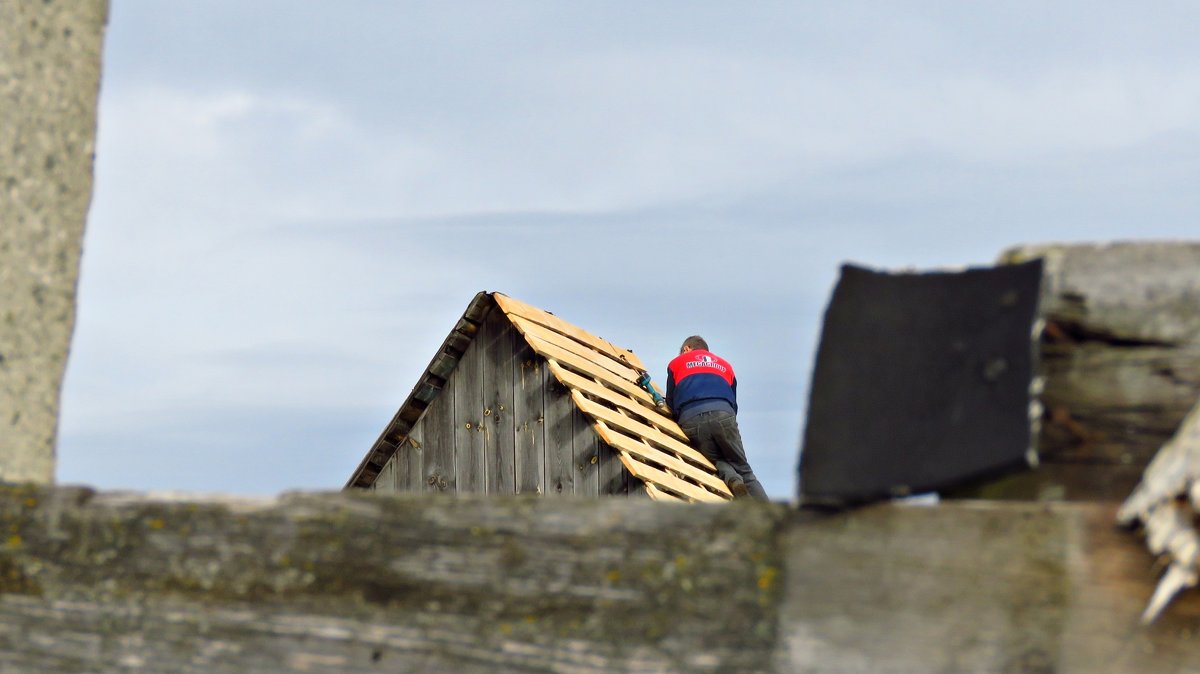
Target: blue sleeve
(670,396)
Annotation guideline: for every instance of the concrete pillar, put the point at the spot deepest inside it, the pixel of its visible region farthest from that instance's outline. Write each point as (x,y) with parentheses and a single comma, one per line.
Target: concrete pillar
(49,79)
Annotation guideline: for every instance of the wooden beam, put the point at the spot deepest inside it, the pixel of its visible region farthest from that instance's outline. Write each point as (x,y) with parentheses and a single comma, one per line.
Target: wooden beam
(356,583)
(1120,350)
(657,494)
(618,369)
(515,307)
(564,357)
(648,452)
(664,480)
(977,587)
(530,378)
(659,442)
(599,390)
(362,583)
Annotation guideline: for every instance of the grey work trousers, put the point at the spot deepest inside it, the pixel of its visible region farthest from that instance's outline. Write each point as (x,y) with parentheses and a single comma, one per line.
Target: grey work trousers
(716,435)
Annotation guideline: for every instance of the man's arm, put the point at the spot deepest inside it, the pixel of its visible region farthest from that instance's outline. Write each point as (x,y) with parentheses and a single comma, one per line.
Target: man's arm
(670,396)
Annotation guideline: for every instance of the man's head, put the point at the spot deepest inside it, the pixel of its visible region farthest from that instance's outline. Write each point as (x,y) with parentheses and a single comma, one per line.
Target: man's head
(693,342)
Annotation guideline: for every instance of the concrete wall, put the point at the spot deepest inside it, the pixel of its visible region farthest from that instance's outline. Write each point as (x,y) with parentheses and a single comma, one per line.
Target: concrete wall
(49,77)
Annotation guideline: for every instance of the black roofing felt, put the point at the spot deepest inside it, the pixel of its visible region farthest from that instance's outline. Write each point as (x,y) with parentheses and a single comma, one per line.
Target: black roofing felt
(922,382)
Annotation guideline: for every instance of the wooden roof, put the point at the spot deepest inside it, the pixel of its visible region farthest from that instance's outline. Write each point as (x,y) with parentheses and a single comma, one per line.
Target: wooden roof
(601,379)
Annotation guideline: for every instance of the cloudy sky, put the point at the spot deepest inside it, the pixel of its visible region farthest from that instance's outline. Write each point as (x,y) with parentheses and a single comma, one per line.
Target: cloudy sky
(294,201)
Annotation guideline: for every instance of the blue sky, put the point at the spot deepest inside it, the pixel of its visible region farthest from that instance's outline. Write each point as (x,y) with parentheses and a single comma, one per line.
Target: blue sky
(294,201)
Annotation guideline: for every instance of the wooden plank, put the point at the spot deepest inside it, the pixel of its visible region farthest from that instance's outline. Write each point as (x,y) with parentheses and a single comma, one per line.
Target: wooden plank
(585,453)
(516,307)
(665,480)
(1053,481)
(496,337)
(977,587)
(386,480)
(620,400)
(589,368)
(400,476)
(657,494)
(531,329)
(368,584)
(470,440)
(355,583)
(384,448)
(529,381)
(408,466)
(1115,404)
(560,438)
(612,476)
(1120,351)
(438,441)
(640,430)
(646,452)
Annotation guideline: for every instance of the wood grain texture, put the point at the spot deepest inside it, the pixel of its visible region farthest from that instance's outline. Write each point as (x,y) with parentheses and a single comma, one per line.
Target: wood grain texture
(657,438)
(437,441)
(497,337)
(1135,292)
(408,466)
(613,478)
(665,480)
(1115,404)
(650,454)
(1120,360)
(529,378)
(358,582)
(975,587)
(587,367)
(1058,481)
(585,456)
(533,330)
(617,400)
(387,477)
(471,441)
(560,439)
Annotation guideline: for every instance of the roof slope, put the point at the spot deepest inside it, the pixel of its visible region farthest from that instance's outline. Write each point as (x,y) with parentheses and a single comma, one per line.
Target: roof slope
(601,379)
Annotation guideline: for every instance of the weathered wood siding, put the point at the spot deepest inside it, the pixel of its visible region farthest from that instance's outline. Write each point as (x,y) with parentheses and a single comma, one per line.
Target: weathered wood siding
(355,583)
(496,340)
(528,408)
(502,424)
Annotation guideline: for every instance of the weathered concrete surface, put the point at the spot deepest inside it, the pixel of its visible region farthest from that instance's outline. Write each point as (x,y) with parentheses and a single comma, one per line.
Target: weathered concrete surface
(49,78)
(354,582)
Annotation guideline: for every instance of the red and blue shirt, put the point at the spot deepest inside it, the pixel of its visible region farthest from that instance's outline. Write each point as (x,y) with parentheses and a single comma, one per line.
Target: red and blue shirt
(700,381)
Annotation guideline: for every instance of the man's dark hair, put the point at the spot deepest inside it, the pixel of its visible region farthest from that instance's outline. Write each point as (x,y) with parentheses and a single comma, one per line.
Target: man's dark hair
(695,342)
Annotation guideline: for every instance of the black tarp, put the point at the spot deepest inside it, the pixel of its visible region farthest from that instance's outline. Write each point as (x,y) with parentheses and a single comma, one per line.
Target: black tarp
(922,382)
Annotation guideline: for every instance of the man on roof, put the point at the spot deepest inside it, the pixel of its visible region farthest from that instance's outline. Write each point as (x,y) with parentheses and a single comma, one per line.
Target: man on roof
(702,396)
